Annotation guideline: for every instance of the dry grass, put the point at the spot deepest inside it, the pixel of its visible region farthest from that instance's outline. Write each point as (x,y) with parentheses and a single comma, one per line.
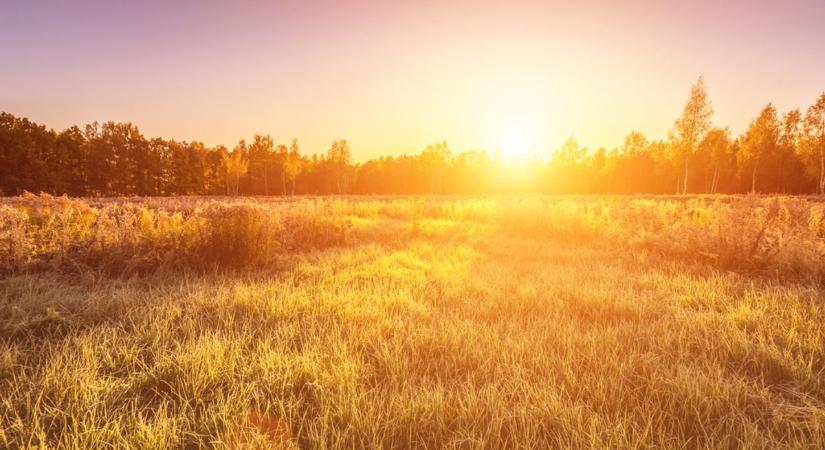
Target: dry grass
(526,322)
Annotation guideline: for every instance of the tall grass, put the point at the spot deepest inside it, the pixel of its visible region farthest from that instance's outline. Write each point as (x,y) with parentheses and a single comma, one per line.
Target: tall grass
(523,322)
(39,232)
(774,235)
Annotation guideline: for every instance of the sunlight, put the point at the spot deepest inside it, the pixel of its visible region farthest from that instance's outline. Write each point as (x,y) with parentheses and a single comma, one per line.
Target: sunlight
(515,140)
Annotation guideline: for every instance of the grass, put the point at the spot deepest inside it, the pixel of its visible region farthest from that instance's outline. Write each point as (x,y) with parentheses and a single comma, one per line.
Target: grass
(395,323)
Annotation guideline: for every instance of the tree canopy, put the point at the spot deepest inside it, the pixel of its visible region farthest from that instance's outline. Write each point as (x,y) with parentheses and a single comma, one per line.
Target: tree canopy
(776,154)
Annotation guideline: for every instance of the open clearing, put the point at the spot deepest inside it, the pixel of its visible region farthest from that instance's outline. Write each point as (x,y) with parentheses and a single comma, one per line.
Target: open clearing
(460,323)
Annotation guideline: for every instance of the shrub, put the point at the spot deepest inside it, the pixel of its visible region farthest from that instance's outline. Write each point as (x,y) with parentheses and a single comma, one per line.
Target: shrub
(237,235)
(775,235)
(117,237)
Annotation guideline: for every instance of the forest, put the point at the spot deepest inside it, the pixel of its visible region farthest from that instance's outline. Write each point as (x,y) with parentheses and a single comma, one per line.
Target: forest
(779,152)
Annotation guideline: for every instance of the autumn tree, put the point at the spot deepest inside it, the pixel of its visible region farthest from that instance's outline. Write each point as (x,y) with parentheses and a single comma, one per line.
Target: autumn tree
(773,155)
(118,146)
(692,126)
(293,165)
(261,154)
(760,142)
(813,144)
(631,160)
(339,158)
(788,163)
(235,166)
(26,151)
(716,147)
(566,167)
(434,161)
(71,176)
(99,161)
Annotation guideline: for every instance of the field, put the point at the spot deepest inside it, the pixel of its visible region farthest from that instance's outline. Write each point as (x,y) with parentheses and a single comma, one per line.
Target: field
(489,322)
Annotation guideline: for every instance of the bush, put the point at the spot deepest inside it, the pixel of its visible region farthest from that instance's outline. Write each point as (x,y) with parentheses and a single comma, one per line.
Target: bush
(122,237)
(775,235)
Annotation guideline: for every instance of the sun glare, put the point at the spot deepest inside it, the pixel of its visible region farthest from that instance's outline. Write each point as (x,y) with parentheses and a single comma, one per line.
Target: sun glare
(516,140)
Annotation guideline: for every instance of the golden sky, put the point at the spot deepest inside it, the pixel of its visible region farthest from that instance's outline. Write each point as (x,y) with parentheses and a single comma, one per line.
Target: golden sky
(393,77)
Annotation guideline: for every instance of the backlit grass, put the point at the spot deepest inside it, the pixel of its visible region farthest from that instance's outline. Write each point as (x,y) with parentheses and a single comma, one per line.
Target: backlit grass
(463,323)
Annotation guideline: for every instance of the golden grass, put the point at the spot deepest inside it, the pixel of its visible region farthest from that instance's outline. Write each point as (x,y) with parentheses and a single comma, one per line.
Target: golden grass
(525,322)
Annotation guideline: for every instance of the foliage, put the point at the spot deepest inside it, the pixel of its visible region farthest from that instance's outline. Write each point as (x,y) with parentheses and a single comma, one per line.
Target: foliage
(772,156)
(692,126)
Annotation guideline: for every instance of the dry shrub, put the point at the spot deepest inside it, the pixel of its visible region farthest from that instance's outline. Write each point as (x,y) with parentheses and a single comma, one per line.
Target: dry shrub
(39,228)
(15,246)
(567,220)
(252,235)
(131,237)
(237,235)
(779,235)
(776,235)
(305,229)
(124,237)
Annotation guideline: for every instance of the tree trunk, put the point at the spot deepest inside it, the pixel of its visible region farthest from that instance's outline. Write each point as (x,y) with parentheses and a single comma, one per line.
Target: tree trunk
(753,180)
(821,172)
(685,183)
(715,182)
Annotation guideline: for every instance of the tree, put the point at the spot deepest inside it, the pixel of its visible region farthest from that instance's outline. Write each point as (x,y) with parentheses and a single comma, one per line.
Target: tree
(70,147)
(788,152)
(434,161)
(814,139)
(279,157)
(115,159)
(339,158)
(26,151)
(235,166)
(120,143)
(566,167)
(293,165)
(629,164)
(98,161)
(760,142)
(261,155)
(692,127)
(717,147)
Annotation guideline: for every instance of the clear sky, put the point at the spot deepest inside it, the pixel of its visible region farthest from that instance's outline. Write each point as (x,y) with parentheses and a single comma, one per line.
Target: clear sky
(393,76)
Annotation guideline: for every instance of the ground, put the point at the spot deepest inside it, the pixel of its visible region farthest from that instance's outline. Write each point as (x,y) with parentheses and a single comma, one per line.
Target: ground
(426,332)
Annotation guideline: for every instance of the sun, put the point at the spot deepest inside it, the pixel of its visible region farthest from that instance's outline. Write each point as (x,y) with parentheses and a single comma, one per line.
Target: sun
(515,140)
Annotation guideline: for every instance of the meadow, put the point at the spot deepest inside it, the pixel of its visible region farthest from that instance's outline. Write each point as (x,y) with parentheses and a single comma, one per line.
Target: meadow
(412,322)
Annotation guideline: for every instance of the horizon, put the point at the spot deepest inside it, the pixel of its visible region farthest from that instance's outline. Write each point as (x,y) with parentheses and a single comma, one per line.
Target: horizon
(480,78)
(325,224)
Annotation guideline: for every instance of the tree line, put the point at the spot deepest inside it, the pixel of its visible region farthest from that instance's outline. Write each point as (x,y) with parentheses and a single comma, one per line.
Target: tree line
(777,153)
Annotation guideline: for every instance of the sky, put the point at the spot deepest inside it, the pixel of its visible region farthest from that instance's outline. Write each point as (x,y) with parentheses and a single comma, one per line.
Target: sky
(392,76)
